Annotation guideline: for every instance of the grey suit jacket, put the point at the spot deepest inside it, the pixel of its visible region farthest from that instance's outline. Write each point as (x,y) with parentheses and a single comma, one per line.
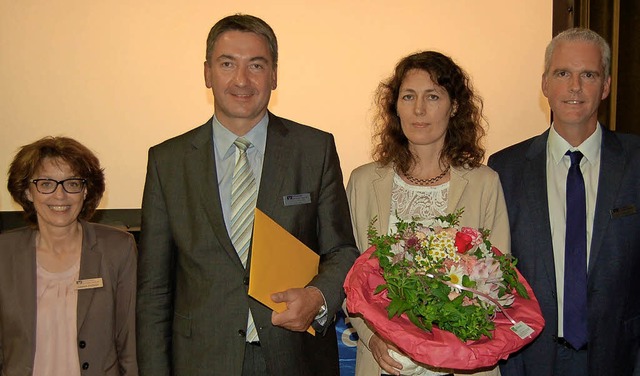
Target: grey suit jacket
(478,191)
(613,297)
(192,290)
(106,315)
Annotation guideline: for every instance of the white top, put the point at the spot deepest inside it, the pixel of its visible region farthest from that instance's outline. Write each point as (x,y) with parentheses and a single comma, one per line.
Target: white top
(56,327)
(557,169)
(415,202)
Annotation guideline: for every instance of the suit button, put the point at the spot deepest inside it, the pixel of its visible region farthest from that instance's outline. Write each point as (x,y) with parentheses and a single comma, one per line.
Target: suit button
(242,333)
(554,294)
(82,344)
(85,365)
(245,280)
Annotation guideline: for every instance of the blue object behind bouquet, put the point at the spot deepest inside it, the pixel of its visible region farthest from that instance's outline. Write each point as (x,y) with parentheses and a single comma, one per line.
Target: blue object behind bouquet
(347,340)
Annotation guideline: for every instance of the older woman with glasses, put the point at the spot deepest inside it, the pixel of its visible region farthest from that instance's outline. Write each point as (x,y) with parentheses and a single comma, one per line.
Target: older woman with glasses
(67,286)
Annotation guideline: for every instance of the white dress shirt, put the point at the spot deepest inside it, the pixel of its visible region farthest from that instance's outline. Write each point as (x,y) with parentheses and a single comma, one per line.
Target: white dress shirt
(557,169)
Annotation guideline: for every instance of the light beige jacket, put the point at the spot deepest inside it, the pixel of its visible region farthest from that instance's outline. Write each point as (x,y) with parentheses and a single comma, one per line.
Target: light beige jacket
(478,191)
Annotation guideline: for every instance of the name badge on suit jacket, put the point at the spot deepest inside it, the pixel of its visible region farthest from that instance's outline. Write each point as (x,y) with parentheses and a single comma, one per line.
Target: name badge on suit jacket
(85,284)
(298,199)
(623,211)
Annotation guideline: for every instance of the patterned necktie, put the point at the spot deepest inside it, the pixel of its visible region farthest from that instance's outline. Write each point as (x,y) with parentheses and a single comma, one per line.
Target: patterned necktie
(575,258)
(243,203)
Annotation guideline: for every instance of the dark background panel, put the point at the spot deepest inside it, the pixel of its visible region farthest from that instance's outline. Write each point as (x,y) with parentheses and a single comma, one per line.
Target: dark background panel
(617,21)
(124,219)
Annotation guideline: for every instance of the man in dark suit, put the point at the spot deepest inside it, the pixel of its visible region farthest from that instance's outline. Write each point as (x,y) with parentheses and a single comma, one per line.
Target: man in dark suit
(600,333)
(194,315)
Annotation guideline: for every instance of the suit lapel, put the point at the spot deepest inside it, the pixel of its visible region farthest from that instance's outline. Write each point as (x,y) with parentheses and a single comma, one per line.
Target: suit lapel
(535,185)
(382,186)
(612,165)
(27,284)
(274,168)
(90,261)
(200,166)
(456,188)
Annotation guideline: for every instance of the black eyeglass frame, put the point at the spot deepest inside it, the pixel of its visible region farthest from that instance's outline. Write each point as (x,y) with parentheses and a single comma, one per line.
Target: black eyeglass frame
(61,182)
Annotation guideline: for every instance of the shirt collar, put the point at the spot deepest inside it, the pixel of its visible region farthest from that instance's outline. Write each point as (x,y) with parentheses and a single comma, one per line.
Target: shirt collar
(590,148)
(223,138)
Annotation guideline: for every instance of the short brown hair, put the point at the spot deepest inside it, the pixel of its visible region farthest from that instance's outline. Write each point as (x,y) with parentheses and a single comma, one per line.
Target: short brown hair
(462,147)
(79,158)
(245,23)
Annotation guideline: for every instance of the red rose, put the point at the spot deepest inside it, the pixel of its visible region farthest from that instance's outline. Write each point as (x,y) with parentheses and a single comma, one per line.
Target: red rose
(463,242)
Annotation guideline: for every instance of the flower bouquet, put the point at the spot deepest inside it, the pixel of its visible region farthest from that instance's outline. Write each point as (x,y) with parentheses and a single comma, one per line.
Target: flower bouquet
(443,294)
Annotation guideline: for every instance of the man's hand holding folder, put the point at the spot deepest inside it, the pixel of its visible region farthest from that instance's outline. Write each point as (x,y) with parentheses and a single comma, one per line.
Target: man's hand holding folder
(281,267)
(303,305)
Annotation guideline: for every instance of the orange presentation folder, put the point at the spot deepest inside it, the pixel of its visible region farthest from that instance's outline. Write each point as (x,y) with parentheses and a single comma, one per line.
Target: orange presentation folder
(279,261)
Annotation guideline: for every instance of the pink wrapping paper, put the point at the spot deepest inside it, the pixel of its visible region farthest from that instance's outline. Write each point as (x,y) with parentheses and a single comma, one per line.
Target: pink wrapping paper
(438,348)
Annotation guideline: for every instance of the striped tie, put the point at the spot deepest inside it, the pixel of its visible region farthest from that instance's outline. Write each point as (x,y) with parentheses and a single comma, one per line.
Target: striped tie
(243,203)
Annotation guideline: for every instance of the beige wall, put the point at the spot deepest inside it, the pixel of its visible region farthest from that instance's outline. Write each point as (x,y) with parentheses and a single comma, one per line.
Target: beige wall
(121,76)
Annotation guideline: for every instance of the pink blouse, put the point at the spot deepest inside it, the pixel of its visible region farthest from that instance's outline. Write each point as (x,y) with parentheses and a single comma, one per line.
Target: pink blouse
(56,328)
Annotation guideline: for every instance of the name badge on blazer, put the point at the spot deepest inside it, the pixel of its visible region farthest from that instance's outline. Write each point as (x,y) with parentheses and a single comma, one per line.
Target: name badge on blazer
(91,283)
(623,211)
(299,199)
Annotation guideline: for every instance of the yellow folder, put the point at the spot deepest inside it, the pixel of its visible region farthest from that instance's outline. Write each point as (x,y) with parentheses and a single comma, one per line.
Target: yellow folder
(279,261)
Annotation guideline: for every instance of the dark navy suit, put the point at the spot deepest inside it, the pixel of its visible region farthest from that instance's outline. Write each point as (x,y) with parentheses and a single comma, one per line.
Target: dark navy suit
(614,264)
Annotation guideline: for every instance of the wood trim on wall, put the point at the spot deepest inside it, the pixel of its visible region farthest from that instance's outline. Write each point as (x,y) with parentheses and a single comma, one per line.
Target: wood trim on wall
(125,219)
(603,17)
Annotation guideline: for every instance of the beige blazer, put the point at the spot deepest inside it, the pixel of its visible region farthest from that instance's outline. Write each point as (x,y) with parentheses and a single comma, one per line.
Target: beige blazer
(478,191)
(106,315)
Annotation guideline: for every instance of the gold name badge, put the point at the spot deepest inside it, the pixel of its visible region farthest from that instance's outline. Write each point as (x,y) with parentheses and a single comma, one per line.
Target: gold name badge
(92,283)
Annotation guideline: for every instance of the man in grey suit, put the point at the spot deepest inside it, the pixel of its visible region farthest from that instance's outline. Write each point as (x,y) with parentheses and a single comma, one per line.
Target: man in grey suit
(577,167)
(194,315)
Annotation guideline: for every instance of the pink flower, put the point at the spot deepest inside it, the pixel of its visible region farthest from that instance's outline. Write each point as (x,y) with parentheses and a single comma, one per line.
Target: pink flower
(412,242)
(480,271)
(398,251)
(420,235)
(506,300)
(468,262)
(448,263)
(466,301)
(398,248)
(476,236)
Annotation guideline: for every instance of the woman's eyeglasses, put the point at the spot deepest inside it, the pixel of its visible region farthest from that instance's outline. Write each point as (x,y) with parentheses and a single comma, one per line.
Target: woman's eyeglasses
(71,185)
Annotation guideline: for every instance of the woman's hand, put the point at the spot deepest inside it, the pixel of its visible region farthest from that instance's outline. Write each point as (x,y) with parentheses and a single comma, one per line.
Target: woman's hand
(380,350)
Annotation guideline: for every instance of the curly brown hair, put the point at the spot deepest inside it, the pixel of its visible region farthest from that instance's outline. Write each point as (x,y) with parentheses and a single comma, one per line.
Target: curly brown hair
(79,158)
(462,146)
